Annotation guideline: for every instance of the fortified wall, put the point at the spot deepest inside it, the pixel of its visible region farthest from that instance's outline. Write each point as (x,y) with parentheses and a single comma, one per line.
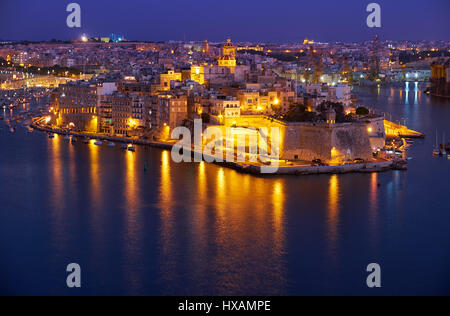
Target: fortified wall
(308,141)
(337,142)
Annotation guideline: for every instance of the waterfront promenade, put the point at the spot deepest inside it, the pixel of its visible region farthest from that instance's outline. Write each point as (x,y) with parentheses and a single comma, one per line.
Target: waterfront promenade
(284,167)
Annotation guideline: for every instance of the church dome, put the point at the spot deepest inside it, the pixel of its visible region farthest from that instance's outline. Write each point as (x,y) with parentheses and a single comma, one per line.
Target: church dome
(228,43)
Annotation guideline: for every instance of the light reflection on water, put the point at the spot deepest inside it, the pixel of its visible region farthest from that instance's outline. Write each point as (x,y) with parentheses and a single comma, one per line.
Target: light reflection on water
(204,229)
(333,214)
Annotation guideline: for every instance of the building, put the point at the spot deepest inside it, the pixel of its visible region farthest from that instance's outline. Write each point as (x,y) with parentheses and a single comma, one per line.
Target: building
(133,86)
(198,74)
(225,107)
(205,48)
(121,114)
(440,79)
(166,79)
(76,103)
(228,56)
(172,111)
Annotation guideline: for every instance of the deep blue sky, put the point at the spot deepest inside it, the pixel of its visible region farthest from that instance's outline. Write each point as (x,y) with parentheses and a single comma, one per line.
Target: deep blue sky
(252,20)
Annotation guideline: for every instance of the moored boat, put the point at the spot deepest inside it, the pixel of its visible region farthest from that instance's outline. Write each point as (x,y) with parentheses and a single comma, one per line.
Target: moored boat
(443,150)
(436,150)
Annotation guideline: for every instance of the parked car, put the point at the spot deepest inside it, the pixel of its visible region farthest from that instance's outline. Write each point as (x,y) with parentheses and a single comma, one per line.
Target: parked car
(318,162)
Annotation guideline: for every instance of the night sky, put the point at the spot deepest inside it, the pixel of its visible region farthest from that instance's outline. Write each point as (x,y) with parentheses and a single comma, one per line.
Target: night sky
(242,20)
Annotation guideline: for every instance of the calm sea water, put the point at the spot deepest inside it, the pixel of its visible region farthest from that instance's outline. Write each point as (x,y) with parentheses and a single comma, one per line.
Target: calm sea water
(199,229)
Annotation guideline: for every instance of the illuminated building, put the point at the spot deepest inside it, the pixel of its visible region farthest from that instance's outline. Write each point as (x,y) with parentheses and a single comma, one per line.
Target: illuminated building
(121,115)
(198,74)
(256,48)
(166,79)
(133,86)
(440,79)
(77,105)
(228,56)
(172,110)
(225,106)
(265,101)
(249,100)
(205,48)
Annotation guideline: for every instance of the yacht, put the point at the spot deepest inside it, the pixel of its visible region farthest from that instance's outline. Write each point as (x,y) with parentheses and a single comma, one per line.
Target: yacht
(443,149)
(111,144)
(98,143)
(436,150)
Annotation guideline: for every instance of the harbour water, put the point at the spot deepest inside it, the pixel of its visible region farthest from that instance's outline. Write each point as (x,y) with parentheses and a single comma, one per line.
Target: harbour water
(200,229)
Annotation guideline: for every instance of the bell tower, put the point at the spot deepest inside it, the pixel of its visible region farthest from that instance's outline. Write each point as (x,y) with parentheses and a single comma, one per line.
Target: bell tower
(331,116)
(228,56)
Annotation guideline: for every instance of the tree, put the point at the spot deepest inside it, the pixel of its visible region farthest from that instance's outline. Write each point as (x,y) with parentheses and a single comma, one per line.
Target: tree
(362,111)
(299,113)
(341,116)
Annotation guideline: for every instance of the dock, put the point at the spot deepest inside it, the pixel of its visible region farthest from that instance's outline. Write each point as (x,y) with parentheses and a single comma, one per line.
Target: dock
(396,130)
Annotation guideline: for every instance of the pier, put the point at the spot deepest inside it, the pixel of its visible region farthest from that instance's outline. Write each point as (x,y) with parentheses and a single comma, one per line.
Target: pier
(396,130)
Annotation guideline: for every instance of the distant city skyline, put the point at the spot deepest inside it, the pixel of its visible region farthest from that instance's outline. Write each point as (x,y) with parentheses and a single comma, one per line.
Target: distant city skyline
(254,21)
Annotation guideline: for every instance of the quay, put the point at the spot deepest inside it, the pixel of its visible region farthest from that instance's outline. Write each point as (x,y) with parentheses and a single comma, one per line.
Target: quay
(394,130)
(381,165)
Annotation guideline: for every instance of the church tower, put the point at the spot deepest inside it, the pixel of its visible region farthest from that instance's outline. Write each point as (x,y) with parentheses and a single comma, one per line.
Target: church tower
(205,48)
(228,56)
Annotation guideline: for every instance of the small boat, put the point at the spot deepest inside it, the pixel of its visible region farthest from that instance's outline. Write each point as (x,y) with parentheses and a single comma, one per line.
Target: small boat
(86,141)
(124,147)
(131,148)
(73,140)
(111,144)
(66,138)
(436,150)
(51,136)
(98,143)
(443,149)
